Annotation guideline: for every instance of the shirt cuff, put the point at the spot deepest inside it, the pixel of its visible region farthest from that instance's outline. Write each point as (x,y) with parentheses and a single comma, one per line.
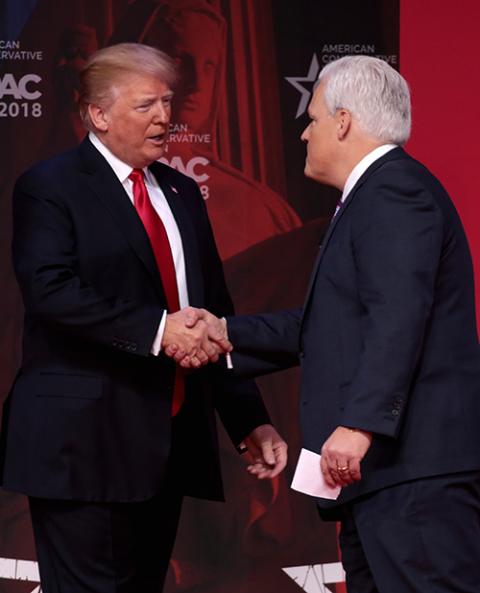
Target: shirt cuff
(157,342)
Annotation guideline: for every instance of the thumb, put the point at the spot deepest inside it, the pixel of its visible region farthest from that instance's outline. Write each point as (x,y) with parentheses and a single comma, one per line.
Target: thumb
(267,452)
(192,316)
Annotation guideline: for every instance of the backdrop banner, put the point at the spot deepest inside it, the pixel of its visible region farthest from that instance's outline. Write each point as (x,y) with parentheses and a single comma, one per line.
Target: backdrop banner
(247,70)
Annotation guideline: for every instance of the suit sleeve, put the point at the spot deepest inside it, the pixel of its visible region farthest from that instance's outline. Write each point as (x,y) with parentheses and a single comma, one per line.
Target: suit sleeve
(397,242)
(264,344)
(46,266)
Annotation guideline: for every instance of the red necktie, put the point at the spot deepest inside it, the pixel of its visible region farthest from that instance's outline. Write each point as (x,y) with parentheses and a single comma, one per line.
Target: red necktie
(163,256)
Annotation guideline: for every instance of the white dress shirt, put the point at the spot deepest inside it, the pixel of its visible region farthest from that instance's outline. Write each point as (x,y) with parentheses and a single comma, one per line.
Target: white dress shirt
(362,166)
(159,202)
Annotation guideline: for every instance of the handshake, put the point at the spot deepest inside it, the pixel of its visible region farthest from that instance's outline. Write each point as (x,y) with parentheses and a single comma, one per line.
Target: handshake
(195,337)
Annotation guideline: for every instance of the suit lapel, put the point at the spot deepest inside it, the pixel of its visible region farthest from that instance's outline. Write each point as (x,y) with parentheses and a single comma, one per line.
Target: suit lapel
(105,185)
(391,155)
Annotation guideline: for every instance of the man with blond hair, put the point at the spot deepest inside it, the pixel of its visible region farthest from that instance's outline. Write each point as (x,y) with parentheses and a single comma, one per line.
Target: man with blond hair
(387,344)
(102,431)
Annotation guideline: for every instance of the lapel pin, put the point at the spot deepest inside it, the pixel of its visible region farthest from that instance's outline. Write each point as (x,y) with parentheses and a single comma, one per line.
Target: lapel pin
(174,189)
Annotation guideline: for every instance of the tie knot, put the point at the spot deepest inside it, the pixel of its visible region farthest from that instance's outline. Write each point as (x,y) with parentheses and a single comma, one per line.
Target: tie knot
(136,175)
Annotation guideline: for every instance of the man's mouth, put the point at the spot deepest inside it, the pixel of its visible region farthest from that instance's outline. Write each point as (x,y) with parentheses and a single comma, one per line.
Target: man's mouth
(158,138)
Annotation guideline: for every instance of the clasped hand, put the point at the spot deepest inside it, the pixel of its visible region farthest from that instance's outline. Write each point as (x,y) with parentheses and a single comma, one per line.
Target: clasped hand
(194,337)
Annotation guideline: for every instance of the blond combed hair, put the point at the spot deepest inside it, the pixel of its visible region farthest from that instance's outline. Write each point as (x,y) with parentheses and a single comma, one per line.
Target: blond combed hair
(107,67)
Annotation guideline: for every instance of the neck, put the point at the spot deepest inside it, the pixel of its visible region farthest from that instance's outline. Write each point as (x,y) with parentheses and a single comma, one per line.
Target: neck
(351,157)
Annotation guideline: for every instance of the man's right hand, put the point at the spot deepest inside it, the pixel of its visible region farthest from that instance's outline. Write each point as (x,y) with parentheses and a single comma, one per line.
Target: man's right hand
(194,337)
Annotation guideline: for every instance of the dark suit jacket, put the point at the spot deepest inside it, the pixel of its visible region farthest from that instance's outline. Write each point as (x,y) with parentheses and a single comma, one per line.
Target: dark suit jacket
(88,417)
(387,336)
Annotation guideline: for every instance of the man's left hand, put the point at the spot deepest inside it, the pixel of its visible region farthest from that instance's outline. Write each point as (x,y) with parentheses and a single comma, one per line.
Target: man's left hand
(342,453)
(267,452)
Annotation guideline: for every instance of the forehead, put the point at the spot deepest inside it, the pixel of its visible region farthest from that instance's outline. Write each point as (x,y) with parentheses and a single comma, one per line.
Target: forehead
(317,104)
(139,84)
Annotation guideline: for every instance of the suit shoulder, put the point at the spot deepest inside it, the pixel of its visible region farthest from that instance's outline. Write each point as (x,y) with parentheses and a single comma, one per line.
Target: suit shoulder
(49,171)
(402,180)
(407,172)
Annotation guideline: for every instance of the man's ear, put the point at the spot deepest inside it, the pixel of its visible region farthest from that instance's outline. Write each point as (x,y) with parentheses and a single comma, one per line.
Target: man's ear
(344,122)
(98,117)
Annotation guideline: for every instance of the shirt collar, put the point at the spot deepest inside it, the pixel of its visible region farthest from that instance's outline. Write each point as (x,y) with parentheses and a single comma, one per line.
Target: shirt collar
(121,169)
(363,165)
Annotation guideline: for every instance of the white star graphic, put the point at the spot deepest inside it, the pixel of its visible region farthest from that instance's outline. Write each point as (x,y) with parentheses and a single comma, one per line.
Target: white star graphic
(314,578)
(296,81)
(20,570)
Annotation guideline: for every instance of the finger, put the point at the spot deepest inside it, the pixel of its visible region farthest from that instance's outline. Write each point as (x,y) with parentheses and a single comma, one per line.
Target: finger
(341,470)
(190,362)
(342,478)
(255,468)
(326,472)
(280,452)
(171,350)
(355,472)
(185,362)
(179,355)
(214,358)
(202,357)
(332,477)
(193,315)
(260,471)
(222,342)
(210,349)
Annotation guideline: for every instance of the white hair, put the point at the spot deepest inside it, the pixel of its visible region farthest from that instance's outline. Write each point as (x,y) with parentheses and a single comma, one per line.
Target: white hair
(376,95)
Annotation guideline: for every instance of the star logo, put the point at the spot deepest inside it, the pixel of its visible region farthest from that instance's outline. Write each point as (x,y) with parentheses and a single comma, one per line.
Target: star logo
(20,570)
(314,578)
(305,90)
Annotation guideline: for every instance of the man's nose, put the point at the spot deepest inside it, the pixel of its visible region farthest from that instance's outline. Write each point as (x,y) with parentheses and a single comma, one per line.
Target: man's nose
(304,136)
(162,114)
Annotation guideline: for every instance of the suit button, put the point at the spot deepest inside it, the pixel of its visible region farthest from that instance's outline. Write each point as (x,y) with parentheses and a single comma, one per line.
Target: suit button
(395,412)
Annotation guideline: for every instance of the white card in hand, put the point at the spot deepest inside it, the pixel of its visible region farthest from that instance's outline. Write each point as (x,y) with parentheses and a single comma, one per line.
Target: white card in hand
(309,479)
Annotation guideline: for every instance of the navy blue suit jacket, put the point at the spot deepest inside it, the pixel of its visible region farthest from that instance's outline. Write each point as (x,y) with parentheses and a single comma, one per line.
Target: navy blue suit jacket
(88,417)
(387,337)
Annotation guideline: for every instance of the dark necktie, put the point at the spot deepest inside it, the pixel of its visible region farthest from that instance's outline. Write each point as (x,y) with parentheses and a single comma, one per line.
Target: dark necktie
(163,256)
(337,209)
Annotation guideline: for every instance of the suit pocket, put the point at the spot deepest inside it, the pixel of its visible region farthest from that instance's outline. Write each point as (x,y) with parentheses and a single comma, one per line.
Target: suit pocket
(72,386)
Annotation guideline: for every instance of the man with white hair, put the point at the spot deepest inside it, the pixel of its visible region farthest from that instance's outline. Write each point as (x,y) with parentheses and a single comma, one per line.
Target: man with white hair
(387,344)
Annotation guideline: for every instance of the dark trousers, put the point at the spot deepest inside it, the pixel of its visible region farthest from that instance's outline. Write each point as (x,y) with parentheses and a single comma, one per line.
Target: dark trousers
(419,537)
(109,547)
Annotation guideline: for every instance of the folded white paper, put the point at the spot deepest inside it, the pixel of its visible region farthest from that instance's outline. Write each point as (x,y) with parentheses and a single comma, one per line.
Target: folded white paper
(309,479)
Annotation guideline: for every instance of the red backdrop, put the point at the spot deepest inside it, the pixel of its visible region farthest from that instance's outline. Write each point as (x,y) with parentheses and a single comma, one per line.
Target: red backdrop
(439,58)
